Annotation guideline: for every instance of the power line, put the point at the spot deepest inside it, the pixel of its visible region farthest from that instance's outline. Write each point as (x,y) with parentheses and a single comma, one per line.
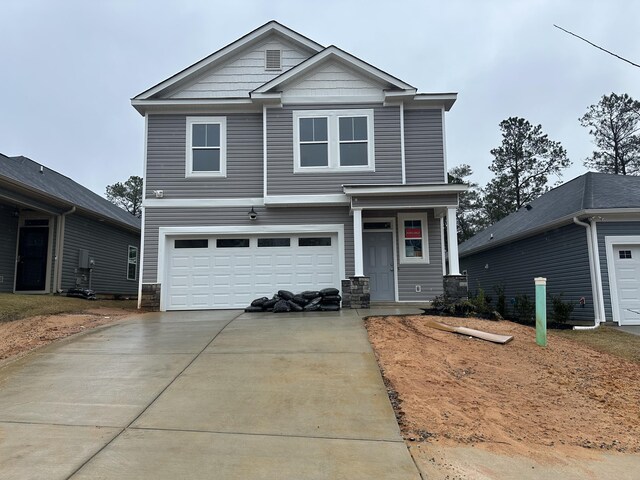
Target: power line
(597,46)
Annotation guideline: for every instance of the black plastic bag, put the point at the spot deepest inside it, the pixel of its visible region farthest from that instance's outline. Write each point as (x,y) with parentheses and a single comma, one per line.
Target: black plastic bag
(300,300)
(259,302)
(330,308)
(281,306)
(286,294)
(253,309)
(294,306)
(329,291)
(310,294)
(331,299)
(270,303)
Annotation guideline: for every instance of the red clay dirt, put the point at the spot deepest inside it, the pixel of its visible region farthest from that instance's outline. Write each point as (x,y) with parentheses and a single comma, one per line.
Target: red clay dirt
(20,336)
(516,399)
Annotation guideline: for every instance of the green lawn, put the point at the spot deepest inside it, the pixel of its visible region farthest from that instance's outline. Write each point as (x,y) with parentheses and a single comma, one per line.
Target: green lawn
(15,307)
(609,340)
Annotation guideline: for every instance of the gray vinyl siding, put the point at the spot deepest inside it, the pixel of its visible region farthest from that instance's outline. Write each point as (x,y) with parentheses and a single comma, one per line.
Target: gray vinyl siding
(423,146)
(8,244)
(611,229)
(237,216)
(429,275)
(560,255)
(107,245)
(399,201)
(166,159)
(281,179)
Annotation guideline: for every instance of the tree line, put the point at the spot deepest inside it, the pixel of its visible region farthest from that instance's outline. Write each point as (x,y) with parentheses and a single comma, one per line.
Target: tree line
(527,157)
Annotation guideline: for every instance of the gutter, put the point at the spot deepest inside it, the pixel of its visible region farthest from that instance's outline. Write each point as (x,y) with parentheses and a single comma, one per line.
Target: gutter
(595,286)
(59,249)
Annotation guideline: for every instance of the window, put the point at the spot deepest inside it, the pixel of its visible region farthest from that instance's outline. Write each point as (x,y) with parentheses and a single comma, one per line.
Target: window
(274,242)
(376,226)
(625,254)
(132,263)
(413,238)
(314,242)
(206,147)
(196,243)
(333,140)
(232,243)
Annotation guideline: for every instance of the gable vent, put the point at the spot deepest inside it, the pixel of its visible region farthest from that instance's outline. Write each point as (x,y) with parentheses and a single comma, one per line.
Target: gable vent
(272,59)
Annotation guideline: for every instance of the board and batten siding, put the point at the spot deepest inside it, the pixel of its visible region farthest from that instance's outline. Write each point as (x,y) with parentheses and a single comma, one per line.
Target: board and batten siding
(281,178)
(8,246)
(157,217)
(427,275)
(243,73)
(423,146)
(559,255)
(107,245)
(611,229)
(166,159)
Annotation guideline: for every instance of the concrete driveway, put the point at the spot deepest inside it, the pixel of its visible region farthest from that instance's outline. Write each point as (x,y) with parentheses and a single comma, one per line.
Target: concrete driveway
(217,394)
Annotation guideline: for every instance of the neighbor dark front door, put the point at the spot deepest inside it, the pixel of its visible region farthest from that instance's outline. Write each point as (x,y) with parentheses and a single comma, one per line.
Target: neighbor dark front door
(33,246)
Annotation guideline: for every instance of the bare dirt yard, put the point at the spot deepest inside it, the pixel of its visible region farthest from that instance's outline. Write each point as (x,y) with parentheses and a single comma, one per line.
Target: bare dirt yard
(22,335)
(471,409)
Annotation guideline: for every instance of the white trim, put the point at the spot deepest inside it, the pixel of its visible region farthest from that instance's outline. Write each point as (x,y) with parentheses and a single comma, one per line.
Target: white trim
(592,271)
(336,53)
(329,99)
(452,242)
(357,243)
(228,50)
(145,157)
(402,153)
(403,189)
(264,151)
(333,140)
(290,200)
(444,149)
(203,202)
(141,268)
(197,120)
(598,271)
(35,216)
(423,217)
(443,248)
(610,241)
(164,232)
(392,229)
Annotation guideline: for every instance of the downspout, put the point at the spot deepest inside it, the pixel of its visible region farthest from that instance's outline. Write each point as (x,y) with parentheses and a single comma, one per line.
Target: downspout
(59,249)
(594,283)
(596,258)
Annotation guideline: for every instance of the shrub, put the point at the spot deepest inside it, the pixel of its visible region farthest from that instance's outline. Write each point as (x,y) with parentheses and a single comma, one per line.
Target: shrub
(501,302)
(524,310)
(561,310)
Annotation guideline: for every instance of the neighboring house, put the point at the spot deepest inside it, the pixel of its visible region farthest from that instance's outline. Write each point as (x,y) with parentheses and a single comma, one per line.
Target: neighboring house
(583,236)
(56,234)
(277,163)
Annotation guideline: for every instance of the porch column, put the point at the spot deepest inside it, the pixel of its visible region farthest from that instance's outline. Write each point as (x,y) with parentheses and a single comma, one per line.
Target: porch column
(452,240)
(357,243)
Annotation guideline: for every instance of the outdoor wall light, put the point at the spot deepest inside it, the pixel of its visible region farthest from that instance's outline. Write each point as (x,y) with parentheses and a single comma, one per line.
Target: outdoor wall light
(252,214)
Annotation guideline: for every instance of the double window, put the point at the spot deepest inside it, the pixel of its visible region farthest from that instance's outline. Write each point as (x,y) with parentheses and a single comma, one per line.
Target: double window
(206,147)
(338,140)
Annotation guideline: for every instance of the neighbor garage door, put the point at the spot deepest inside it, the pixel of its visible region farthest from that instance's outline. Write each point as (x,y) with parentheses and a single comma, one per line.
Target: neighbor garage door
(626,261)
(230,271)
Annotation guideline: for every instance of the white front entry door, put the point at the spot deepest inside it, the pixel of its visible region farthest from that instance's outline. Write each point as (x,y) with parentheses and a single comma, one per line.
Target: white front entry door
(229,271)
(626,260)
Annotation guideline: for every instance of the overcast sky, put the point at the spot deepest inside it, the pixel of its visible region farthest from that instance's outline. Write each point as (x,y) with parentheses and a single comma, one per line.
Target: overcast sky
(69,68)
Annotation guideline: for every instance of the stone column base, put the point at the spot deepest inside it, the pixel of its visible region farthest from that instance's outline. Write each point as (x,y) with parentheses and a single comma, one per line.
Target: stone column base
(356,292)
(456,287)
(150,296)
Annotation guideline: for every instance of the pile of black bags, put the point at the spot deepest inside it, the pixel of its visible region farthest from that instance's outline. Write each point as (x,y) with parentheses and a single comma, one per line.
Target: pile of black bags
(327,300)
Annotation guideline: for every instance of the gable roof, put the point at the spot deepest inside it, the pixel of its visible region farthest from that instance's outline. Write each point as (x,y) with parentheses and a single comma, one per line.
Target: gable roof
(24,172)
(334,53)
(587,194)
(225,52)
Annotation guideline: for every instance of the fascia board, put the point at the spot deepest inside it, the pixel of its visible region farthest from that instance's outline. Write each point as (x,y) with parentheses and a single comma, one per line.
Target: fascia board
(403,189)
(228,50)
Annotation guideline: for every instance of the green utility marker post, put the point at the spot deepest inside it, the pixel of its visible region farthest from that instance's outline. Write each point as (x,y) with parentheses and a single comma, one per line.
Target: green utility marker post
(541,311)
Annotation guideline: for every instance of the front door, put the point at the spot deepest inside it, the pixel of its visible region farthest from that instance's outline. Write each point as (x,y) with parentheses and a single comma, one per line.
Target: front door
(378,264)
(33,247)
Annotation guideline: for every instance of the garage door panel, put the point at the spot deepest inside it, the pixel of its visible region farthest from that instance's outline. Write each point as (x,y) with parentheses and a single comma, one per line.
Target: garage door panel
(627,275)
(232,276)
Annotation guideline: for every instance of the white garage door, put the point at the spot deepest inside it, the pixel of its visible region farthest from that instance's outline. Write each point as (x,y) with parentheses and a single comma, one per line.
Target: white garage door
(230,271)
(627,271)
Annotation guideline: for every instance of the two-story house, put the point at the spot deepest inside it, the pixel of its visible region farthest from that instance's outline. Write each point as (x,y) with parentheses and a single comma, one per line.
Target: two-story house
(278,163)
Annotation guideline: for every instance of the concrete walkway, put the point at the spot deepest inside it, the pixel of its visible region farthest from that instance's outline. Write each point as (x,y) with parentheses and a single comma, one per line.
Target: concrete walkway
(218,394)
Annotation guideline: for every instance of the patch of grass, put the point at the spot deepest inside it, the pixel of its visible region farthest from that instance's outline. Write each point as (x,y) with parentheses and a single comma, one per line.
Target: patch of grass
(609,340)
(15,307)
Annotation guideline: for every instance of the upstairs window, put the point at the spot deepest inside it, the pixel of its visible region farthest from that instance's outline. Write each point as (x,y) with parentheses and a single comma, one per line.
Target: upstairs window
(206,147)
(333,140)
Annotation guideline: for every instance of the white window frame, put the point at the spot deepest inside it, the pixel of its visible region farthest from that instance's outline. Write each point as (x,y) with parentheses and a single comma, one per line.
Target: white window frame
(402,217)
(129,262)
(333,140)
(222,121)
